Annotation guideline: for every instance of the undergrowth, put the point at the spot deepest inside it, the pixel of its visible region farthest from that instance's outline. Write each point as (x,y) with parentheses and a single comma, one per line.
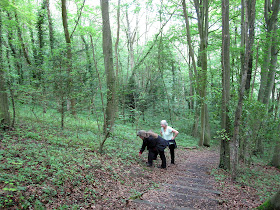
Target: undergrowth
(42,164)
(263,178)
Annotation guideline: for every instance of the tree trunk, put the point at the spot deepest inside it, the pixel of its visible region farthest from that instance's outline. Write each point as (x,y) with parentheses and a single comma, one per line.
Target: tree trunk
(207,139)
(256,68)
(130,42)
(99,80)
(109,69)
(271,11)
(117,57)
(4,106)
(243,29)
(191,51)
(224,149)
(68,54)
(249,41)
(191,55)
(276,156)
(11,90)
(51,32)
(272,71)
(202,8)
(23,47)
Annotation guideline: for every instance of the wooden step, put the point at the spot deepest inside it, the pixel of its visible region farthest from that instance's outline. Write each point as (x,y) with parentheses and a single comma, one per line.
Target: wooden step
(159,205)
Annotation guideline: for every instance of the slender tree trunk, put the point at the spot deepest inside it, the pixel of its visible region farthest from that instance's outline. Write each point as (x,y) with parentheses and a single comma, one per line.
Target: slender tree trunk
(99,80)
(202,8)
(117,57)
(130,40)
(256,68)
(272,71)
(109,69)
(276,156)
(191,103)
(249,40)
(50,25)
(243,29)
(225,149)
(271,10)
(90,70)
(68,55)
(191,51)
(195,132)
(40,57)
(277,106)
(4,107)
(11,90)
(118,38)
(191,56)
(23,47)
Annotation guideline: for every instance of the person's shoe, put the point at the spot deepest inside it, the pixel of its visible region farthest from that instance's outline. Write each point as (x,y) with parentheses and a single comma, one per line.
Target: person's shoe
(149,165)
(161,167)
(173,163)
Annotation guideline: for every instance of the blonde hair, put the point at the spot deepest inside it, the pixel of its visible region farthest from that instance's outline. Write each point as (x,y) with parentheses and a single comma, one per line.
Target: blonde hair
(146,134)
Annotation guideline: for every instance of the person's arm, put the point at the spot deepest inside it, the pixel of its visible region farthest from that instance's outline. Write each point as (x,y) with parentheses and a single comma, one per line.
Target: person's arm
(175,133)
(143,147)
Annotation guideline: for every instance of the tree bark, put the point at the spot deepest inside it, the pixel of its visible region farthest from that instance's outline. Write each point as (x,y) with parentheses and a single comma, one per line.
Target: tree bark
(202,8)
(271,11)
(242,43)
(109,69)
(50,25)
(191,51)
(272,71)
(4,107)
(99,80)
(256,68)
(191,56)
(276,156)
(117,57)
(68,54)
(249,41)
(225,149)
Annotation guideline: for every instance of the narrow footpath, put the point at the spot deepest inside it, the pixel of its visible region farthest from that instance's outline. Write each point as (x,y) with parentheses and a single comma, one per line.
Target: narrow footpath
(188,184)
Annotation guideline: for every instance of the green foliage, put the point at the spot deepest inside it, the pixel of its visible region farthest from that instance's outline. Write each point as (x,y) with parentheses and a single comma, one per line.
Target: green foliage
(266,206)
(39,154)
(222,135)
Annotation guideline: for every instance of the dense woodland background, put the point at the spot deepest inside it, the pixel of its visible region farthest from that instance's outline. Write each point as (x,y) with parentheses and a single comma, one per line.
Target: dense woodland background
(90,73)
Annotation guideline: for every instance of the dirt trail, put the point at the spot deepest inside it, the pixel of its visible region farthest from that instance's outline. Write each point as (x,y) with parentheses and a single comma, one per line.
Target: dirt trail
(186,185)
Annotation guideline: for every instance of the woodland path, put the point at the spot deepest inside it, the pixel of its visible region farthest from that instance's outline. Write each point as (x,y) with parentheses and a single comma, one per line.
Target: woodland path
(188,184)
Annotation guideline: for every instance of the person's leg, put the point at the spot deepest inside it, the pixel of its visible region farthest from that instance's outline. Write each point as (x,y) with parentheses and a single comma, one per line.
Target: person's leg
(155,155)
(150,158)
(172,148)
(163,159)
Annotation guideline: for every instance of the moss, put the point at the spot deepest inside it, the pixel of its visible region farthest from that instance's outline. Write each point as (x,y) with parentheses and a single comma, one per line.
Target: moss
(266,206)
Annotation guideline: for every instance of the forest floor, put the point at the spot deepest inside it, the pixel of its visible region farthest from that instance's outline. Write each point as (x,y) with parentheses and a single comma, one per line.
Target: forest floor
(41,168)
(195,183)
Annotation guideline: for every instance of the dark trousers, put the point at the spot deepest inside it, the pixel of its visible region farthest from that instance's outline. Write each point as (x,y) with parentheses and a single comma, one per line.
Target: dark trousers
(172,148)
(153,155)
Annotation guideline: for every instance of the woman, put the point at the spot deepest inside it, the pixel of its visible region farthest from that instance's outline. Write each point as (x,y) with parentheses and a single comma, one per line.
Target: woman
(169,134)
(155,145)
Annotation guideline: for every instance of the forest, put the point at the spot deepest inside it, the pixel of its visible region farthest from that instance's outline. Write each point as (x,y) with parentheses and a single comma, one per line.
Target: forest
(79,78)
